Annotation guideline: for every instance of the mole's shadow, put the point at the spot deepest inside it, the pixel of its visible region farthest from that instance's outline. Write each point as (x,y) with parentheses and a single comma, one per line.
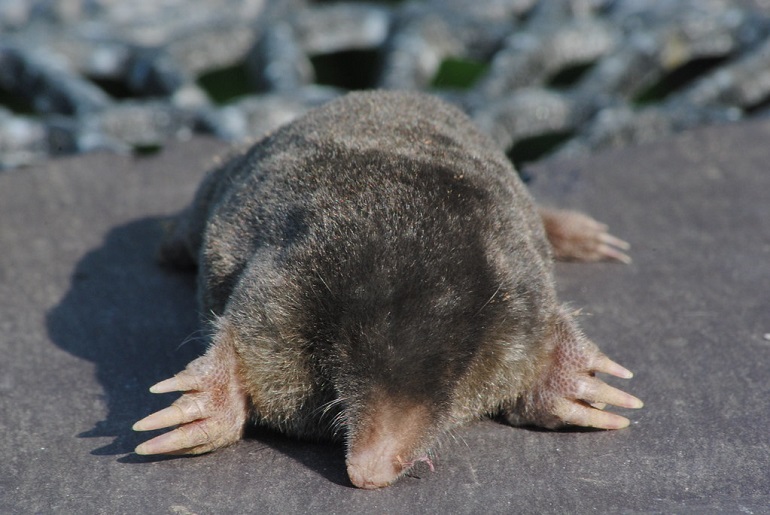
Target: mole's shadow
(128,316)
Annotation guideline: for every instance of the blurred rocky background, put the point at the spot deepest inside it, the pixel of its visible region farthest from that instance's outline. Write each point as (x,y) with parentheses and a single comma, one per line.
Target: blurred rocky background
(544,78)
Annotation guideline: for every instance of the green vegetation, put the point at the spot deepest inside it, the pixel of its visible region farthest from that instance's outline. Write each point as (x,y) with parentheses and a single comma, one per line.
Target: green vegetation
(457,73)
(226,84)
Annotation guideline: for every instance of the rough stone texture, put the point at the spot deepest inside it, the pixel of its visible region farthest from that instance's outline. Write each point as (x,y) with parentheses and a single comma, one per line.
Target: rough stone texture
(78,75)
(88,322)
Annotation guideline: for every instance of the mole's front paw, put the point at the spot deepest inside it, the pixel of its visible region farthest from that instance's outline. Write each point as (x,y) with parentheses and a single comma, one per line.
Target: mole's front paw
(210,414)
(568,391)
(575,236)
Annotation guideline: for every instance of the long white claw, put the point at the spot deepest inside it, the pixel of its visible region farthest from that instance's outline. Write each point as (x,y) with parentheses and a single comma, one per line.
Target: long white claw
(606,365)
(181,382)
(609,239)
(603,420)
(178,441)
(602,392)
(609,252)
(212,410)
(167,417)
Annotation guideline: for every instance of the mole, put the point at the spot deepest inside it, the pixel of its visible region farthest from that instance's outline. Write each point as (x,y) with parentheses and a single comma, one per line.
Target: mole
(376,272)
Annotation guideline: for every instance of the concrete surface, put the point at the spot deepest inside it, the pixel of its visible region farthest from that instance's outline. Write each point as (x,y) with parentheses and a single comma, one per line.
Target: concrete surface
(88,322)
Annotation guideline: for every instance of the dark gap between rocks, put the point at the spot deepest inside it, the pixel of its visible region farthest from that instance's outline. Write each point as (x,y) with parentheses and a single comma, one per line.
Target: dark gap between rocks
(147,150)
(535,147)
(349,69)
(16,103)
(676,80)
(569,75)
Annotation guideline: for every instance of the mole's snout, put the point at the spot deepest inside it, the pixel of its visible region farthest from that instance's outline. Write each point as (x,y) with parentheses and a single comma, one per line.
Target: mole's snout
(370,470)
(384,443)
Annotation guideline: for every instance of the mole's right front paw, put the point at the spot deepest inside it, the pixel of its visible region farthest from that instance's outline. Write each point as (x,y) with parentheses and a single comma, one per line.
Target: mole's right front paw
(210,414)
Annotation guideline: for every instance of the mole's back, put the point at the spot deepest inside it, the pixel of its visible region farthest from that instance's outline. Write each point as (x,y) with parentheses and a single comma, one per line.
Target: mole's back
(387,178)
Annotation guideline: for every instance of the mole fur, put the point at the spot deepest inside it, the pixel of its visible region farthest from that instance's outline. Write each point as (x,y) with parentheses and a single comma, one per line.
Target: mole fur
(376,271)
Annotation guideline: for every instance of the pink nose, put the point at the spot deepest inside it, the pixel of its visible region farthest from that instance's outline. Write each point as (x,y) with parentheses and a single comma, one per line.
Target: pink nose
(370,469)
(383,441)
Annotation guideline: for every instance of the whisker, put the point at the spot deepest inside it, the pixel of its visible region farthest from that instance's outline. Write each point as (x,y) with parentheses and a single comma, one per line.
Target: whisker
(490,299)
(323,282)
(338,423)
(199,335)
(325,407)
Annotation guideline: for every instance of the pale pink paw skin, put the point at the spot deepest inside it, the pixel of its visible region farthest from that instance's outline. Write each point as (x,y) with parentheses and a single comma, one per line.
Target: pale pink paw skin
(212,411)
(575,236)
(568,393)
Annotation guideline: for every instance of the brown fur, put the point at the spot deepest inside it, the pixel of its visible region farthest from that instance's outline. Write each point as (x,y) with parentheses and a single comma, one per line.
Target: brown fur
(382,274)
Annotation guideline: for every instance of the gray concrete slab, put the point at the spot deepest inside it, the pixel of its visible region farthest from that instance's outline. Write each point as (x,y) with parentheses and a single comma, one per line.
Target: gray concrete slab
(88,322)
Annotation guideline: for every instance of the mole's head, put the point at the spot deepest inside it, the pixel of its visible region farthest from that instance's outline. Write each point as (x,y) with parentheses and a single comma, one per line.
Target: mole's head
(403,282)
(396,390)
(395,351)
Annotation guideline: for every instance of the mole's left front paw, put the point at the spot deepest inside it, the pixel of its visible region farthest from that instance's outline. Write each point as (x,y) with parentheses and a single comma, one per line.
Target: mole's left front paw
(568,391)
